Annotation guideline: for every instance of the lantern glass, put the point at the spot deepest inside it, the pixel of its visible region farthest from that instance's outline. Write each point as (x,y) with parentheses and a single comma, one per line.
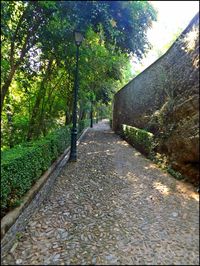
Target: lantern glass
(78,37)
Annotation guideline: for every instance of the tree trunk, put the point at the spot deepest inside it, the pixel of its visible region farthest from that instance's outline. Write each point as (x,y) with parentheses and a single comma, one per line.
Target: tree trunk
(69,94)
(6,86)
(82,115)
(34,125)
(34,116)
(9,115)
(26,46)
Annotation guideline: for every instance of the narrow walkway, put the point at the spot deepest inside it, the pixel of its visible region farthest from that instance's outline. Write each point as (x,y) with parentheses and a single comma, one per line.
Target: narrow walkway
(112,206)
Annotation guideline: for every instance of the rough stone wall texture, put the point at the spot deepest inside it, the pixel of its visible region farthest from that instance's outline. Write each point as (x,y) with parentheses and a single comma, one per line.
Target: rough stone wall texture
(164,99)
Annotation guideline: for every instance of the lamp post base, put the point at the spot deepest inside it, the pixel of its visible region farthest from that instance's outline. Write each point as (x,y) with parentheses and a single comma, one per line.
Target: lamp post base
(71,160)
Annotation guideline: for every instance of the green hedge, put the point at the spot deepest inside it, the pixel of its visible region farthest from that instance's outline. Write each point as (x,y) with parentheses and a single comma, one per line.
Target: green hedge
(22,165)
(139,138)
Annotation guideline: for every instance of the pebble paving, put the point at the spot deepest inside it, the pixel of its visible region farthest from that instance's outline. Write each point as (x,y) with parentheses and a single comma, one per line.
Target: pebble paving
(112,207)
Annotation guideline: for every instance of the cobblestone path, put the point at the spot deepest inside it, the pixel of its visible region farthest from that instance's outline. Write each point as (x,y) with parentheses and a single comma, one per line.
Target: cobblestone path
(112,206)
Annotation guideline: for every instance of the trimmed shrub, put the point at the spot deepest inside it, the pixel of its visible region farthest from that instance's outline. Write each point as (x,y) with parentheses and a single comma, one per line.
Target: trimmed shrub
(22,165)
(139,138)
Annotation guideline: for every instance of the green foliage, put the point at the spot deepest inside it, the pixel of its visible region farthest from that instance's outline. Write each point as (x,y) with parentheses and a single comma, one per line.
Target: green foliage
(122,24)
(83,124)
(24,164)
(38,59)
(174,173)
(162,162)
(139,138)
(19,235)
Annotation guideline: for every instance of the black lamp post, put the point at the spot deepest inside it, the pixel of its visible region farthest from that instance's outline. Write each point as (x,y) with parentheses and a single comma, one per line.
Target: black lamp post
(73,155)
(97,118)
(91,114)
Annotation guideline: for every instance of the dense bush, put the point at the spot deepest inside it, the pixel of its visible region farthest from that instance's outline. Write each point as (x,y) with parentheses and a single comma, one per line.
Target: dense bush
(22,165)
(139,138)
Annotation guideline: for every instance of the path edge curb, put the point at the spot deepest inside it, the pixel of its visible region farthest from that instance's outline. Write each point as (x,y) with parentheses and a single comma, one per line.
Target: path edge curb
(15,221)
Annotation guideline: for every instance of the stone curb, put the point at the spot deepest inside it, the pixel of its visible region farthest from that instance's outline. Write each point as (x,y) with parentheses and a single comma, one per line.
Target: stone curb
(15,221)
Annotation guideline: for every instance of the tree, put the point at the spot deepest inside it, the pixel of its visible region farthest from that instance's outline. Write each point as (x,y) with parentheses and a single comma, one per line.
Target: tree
(22,24)
(38,58)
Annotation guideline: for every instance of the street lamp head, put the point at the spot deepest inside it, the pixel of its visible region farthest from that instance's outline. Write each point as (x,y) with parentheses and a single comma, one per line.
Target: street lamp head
(78,35)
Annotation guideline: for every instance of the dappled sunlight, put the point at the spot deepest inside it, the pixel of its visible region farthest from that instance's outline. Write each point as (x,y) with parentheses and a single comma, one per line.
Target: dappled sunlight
(110,143)
(163,184)
(137,153)
(95,152)
(99,152)
(151,166)
(196,62)
(186,190)
(161,181)
(190,39)
(122,143)
(110,132)
(131,176)
(92,142)
(84,143)
(155,166)
(163,189)
(190,43)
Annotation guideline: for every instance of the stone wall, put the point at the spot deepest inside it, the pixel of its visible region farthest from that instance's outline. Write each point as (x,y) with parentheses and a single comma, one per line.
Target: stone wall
(164,99)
